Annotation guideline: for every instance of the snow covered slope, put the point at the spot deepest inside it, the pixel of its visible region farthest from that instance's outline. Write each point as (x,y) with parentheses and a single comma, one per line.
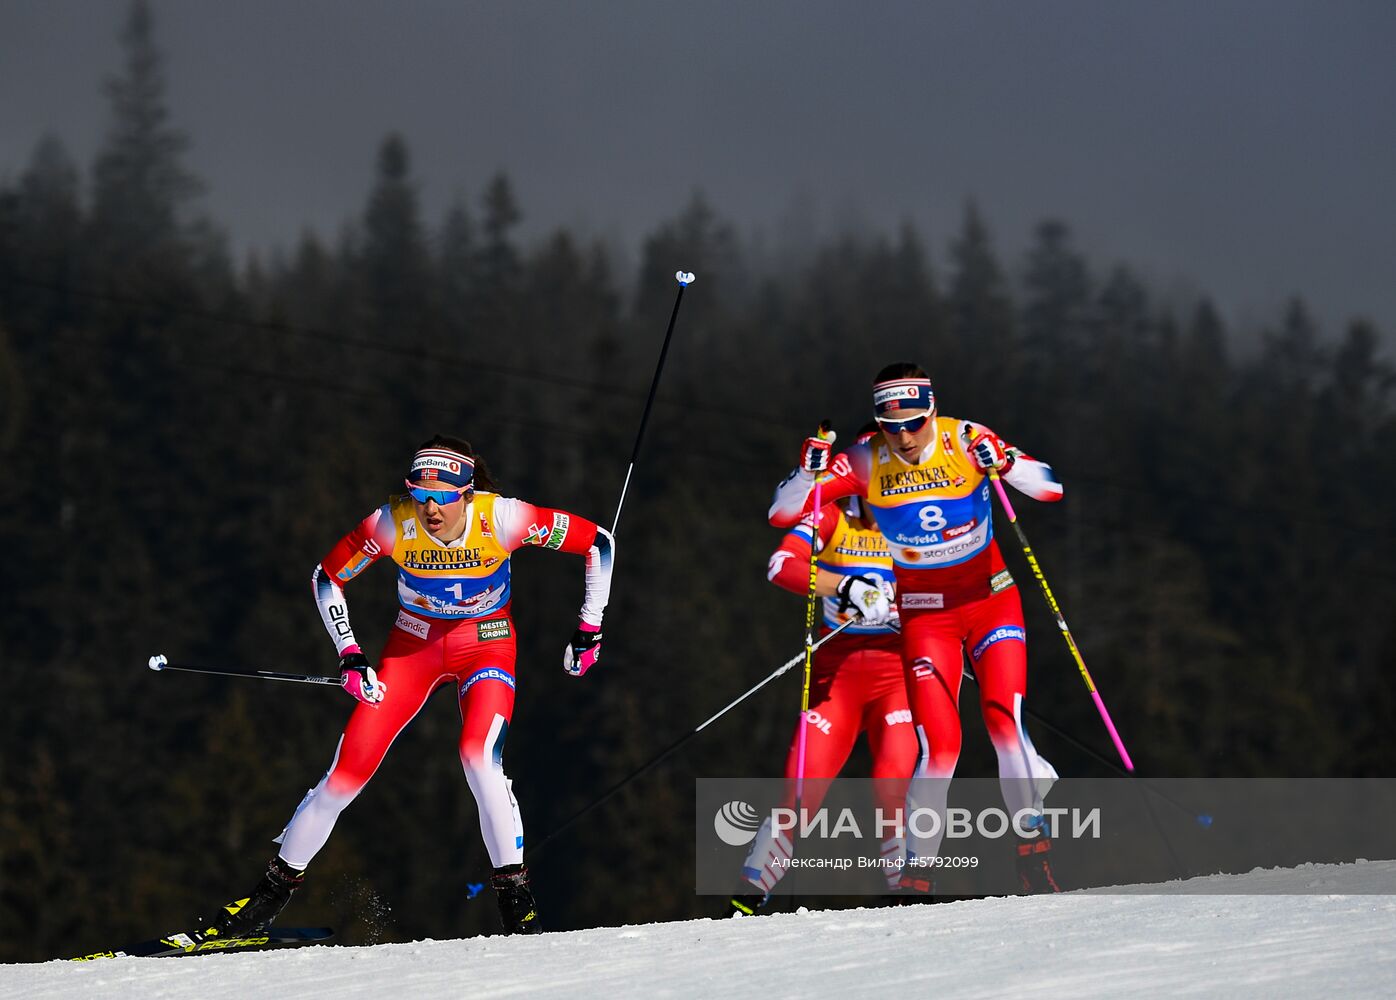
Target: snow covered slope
(1328,942)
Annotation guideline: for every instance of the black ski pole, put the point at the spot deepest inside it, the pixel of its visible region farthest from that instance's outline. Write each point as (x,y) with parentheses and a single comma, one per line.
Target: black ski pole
(684,278)
(159,662)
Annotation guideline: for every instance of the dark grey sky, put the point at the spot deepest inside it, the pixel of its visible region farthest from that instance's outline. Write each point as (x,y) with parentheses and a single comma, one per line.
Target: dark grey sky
(1244,148)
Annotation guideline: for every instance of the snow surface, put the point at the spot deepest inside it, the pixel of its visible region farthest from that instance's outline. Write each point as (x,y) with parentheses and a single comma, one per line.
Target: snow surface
(1316,931)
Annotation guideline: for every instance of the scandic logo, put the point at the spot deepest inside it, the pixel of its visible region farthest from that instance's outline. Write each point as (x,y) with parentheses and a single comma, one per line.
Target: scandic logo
(413,625)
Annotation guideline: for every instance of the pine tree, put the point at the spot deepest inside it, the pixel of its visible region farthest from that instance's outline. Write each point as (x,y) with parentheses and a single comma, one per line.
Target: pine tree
(500,269)
(1057,304)
(980,319)
(141,187)
(458,276)
(40,246)
(395,262)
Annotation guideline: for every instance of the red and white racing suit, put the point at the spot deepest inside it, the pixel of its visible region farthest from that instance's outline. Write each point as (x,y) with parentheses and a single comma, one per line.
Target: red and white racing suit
(453,627)
(954,595)
(856,686)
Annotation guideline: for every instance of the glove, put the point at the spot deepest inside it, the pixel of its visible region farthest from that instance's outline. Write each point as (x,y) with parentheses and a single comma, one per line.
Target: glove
(814,453)
(358,678)
(583,651)
(986,449)
(865,597)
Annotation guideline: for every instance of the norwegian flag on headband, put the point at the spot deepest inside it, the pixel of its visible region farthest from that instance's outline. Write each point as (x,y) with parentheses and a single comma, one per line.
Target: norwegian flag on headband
(903,394)
(442,465)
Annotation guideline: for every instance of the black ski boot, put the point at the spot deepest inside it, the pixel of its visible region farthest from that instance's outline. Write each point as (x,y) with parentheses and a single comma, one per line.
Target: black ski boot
(518,913)
(245,917)
(1035,867)
(913,887)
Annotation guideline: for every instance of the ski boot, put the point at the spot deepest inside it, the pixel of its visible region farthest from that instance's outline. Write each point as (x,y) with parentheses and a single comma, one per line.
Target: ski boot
(911,888)
(1034,867)
(245,917)
(518,913)
(747,901)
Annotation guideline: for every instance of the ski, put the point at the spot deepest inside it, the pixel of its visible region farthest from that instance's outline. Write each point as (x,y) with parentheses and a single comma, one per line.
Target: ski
(188,944)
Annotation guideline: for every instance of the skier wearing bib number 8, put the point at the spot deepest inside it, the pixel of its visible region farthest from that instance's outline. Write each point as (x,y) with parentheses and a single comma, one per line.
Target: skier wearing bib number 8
(925,481)
(451,538)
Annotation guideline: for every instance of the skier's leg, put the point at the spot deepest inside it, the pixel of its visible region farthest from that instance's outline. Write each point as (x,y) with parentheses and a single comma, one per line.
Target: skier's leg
(892,741)
(831,725)
(932,658)
(998,652)
(831,728)
(485,675)
(411,669)
(486,706)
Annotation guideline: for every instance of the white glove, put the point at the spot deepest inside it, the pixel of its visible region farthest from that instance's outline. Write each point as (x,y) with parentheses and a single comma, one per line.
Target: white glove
(865,597)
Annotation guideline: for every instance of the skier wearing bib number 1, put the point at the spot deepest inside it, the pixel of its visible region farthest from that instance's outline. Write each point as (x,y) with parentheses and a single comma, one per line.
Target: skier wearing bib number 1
(925,481)
(451,538)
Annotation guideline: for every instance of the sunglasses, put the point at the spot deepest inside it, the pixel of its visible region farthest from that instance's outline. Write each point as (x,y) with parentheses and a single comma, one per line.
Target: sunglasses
(442,497)
(911,426)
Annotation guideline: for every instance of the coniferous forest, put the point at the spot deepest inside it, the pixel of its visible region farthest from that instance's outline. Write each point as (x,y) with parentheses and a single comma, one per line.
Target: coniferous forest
(183,436)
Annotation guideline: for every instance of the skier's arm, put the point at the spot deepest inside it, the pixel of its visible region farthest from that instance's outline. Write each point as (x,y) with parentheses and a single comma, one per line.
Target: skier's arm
(866,596)
(847,476)
(518,523)
(1016,467)
(788,567)
(351,555)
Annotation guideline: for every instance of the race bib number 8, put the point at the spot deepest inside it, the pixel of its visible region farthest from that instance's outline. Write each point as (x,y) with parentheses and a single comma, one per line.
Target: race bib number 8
(932,518)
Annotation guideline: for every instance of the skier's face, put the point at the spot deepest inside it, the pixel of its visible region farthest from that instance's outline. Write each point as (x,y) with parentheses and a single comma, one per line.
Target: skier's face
(907,443)
(444,522)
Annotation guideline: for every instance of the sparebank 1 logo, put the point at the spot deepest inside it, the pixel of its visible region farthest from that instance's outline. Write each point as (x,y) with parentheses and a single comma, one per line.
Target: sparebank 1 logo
(736,823)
